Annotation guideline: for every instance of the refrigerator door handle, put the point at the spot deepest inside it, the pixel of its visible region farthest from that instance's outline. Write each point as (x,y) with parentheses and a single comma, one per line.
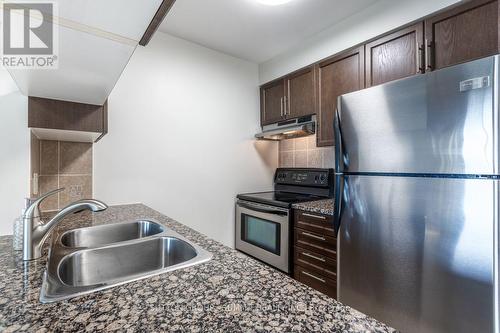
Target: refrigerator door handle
(339,167)
(337,201)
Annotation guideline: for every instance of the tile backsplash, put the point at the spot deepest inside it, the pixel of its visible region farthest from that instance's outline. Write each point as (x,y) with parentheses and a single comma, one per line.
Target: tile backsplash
(61,164)
(303,153)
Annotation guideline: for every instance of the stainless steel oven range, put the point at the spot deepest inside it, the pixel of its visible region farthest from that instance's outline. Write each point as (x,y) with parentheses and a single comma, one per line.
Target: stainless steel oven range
(263,220)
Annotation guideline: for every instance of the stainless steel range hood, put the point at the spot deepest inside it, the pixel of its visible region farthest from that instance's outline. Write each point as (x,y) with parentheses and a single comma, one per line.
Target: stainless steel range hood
(288,129)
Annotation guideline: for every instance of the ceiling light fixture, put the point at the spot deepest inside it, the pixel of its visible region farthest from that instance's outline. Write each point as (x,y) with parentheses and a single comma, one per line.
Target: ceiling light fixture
(273,2)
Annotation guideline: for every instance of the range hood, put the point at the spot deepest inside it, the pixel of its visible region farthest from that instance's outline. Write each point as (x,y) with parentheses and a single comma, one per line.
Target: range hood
(288,129)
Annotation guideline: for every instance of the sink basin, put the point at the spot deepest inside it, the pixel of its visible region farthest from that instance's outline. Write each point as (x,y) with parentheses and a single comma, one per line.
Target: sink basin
(87,260)
(111,233)
(108,264)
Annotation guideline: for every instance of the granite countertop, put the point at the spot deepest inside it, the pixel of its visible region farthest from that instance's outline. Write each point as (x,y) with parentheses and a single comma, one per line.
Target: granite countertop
(230,293)
(318,206)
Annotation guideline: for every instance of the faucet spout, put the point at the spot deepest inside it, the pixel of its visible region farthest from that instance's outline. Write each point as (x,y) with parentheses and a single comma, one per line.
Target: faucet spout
(35,234)
(75,207)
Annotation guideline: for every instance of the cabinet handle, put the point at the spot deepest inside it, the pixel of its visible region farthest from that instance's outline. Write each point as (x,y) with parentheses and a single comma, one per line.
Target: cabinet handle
(314,257)
(314,277)
(286,97)
(314,216)
(313,236)
(428,54)
(420,59)
(281,106)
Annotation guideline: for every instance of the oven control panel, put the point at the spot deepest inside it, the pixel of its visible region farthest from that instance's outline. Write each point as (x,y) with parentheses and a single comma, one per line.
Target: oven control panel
(303,177)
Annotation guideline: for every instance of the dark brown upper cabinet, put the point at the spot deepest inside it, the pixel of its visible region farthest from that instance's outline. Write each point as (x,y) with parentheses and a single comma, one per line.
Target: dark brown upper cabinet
(395,56)
(338,75)
(463,33)
(289,97)
(51,119)
(272,102)
(300,93)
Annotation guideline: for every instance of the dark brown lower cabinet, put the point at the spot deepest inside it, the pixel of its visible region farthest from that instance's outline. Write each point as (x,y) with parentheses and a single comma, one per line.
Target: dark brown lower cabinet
(316,262)
(325,285)
(336,76)
(315,252)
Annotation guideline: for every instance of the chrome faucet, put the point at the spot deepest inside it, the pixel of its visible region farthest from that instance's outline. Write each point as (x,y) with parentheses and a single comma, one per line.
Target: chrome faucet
(36,232)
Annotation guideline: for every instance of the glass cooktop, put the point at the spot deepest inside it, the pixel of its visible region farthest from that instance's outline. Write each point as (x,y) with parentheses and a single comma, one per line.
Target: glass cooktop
(279,198)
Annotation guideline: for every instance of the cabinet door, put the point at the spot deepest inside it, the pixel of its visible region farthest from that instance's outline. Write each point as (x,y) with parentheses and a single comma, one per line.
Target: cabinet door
(272,102)
(395,56)
(300,93)
(464,33)
(338,75)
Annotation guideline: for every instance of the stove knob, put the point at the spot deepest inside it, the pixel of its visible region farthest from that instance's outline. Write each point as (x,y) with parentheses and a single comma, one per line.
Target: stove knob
(323,177)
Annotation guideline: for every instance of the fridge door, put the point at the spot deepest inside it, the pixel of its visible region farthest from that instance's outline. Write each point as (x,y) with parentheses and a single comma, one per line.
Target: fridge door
(418,253)
(443,122)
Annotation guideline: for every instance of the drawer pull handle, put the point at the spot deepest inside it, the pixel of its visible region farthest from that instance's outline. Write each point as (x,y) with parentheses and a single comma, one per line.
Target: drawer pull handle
(314,257)
(314,216)
(305,223)
(314,236)
(310,225)
(314,277)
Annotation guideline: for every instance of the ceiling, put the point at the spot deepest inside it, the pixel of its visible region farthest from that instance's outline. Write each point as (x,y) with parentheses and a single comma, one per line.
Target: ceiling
(93,44)
(252,31)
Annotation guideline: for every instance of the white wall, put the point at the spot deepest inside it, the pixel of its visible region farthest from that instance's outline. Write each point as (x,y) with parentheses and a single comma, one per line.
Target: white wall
(14,152)
(383,16)
(181,124)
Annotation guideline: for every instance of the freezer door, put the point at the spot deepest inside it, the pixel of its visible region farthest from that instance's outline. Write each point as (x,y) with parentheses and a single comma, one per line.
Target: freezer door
(438,123)
(418,253)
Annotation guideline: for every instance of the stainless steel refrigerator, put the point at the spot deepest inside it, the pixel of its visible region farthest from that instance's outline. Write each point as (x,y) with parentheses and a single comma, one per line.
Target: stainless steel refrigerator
(417,200)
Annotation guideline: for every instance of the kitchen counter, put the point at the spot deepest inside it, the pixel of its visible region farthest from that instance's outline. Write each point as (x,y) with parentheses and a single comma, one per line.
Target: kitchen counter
(232,292)
(319,206)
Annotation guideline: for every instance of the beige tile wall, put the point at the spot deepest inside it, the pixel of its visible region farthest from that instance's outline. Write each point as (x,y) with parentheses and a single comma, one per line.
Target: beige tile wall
(303,153)
(62,164)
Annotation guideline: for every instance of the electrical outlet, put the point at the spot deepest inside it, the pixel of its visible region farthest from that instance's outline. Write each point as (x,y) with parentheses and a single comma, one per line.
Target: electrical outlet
(76,191)
(34,184)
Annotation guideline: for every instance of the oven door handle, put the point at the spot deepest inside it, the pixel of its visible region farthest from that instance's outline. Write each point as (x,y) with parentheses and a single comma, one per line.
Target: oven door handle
(263,210)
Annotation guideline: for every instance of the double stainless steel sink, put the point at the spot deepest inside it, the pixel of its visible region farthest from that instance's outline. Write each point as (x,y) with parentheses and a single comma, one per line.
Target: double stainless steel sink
(85,260)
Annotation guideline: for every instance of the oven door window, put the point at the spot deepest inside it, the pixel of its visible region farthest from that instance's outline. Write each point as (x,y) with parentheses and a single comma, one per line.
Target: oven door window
(261,233)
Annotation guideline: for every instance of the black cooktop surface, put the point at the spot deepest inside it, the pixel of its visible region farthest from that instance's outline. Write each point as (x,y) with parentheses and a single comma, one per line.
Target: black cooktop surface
(279,198)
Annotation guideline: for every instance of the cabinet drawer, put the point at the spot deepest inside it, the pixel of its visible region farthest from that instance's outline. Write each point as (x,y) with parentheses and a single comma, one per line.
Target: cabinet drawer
(314,280)
(315,242)
(316,262)
(318,223)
